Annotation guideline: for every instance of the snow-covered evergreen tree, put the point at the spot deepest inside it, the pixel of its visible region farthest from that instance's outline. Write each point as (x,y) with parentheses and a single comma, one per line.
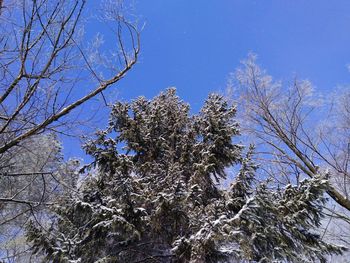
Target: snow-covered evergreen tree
(152,195)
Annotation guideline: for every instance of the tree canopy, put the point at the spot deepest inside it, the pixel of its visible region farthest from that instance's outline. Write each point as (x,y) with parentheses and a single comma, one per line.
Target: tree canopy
(153,194)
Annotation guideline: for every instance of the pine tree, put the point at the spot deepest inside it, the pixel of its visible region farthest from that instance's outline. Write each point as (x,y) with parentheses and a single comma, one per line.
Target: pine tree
(153,194)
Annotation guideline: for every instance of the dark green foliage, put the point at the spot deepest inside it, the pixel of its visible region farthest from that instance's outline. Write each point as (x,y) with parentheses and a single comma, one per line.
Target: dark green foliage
(153,195)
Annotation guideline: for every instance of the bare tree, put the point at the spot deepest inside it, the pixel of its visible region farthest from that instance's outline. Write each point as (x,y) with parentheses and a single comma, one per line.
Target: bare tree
(36,177)
(299,133)
(48,68)
(45,70)
(50,64)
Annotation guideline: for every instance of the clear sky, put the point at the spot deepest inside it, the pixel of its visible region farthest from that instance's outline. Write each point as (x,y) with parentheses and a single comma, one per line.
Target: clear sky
(194,44)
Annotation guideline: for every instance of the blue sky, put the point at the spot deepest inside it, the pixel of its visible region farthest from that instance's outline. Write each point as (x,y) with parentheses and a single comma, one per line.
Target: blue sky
(194,45)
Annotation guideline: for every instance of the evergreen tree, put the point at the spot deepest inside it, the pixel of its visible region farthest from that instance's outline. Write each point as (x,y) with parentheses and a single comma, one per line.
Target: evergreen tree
(153,194)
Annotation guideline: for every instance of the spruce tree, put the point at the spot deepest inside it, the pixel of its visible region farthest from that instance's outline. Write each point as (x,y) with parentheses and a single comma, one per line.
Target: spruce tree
(153,194)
